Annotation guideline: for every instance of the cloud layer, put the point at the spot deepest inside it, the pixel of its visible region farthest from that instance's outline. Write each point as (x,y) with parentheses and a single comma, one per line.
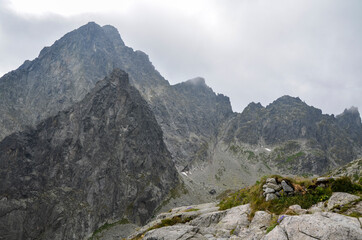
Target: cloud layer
(250,50)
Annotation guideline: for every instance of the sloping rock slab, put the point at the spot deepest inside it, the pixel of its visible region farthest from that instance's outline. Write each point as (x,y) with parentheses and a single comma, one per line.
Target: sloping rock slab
(176,232)
(323,226)
(234,217)
(340,198)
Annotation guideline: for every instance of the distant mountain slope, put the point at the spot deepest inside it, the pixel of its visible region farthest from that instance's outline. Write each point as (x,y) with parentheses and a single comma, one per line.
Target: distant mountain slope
(289,118)
(352,170)
(190,114)
(103,159)
(350,121)
(286,137)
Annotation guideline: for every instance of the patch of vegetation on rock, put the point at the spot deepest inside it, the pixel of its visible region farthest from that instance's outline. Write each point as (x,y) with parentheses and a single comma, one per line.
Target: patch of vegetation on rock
(307,193)
(107,226)
(165,223)
(344,184)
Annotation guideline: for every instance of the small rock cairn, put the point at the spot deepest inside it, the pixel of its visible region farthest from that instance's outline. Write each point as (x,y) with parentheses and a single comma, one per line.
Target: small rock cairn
(273,190)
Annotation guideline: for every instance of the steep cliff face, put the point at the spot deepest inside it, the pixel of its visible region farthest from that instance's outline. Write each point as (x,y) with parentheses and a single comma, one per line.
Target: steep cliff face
(350,121)
(190,114)
(101,160)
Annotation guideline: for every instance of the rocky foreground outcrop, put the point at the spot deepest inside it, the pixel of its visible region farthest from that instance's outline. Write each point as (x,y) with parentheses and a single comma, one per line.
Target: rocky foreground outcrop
(101,160)
(206,222)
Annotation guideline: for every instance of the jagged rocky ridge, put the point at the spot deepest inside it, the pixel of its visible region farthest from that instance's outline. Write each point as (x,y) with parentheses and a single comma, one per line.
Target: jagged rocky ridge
(302,138)
(101,160)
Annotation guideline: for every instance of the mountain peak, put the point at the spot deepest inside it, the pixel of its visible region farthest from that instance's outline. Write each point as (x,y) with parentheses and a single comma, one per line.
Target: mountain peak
(352,110)
(288,99)
(197,81)
(113,34)
(350,120)
(254,106)
(194,84)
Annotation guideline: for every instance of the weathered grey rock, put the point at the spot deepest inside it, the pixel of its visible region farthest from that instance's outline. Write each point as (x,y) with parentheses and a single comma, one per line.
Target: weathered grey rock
(272,181)
(286,187)
(237,216)
(324,226)
(276,187)
(184,211)
(319,207)
(278,233)
(261,220)
(235,225)
(208,219)
(257,227)
(323,179)
(270,196)
(269,190)
(99,161)
(298,209)
(357,208)
(176,232)
(340,198)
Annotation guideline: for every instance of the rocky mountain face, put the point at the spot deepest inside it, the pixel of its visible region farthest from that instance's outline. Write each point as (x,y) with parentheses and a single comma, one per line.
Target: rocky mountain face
(352,170)
(300,136)
(65,72)
(101,160)
(189,113)
(350,121)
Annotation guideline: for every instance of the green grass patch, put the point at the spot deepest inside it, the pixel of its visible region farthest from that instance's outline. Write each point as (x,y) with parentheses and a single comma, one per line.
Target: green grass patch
(254,196)
(192,210)
(273,224)
(251,154)
(355,214)
(170,222)
(344,184)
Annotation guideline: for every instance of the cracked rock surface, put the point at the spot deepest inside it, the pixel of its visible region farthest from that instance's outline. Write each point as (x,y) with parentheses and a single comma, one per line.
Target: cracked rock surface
(323,226)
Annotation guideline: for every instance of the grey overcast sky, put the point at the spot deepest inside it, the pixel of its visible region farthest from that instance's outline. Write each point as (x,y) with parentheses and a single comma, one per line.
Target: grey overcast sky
(249,50)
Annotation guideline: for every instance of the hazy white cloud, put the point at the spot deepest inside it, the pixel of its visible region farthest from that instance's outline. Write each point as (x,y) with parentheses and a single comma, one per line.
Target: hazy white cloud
(250,50)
